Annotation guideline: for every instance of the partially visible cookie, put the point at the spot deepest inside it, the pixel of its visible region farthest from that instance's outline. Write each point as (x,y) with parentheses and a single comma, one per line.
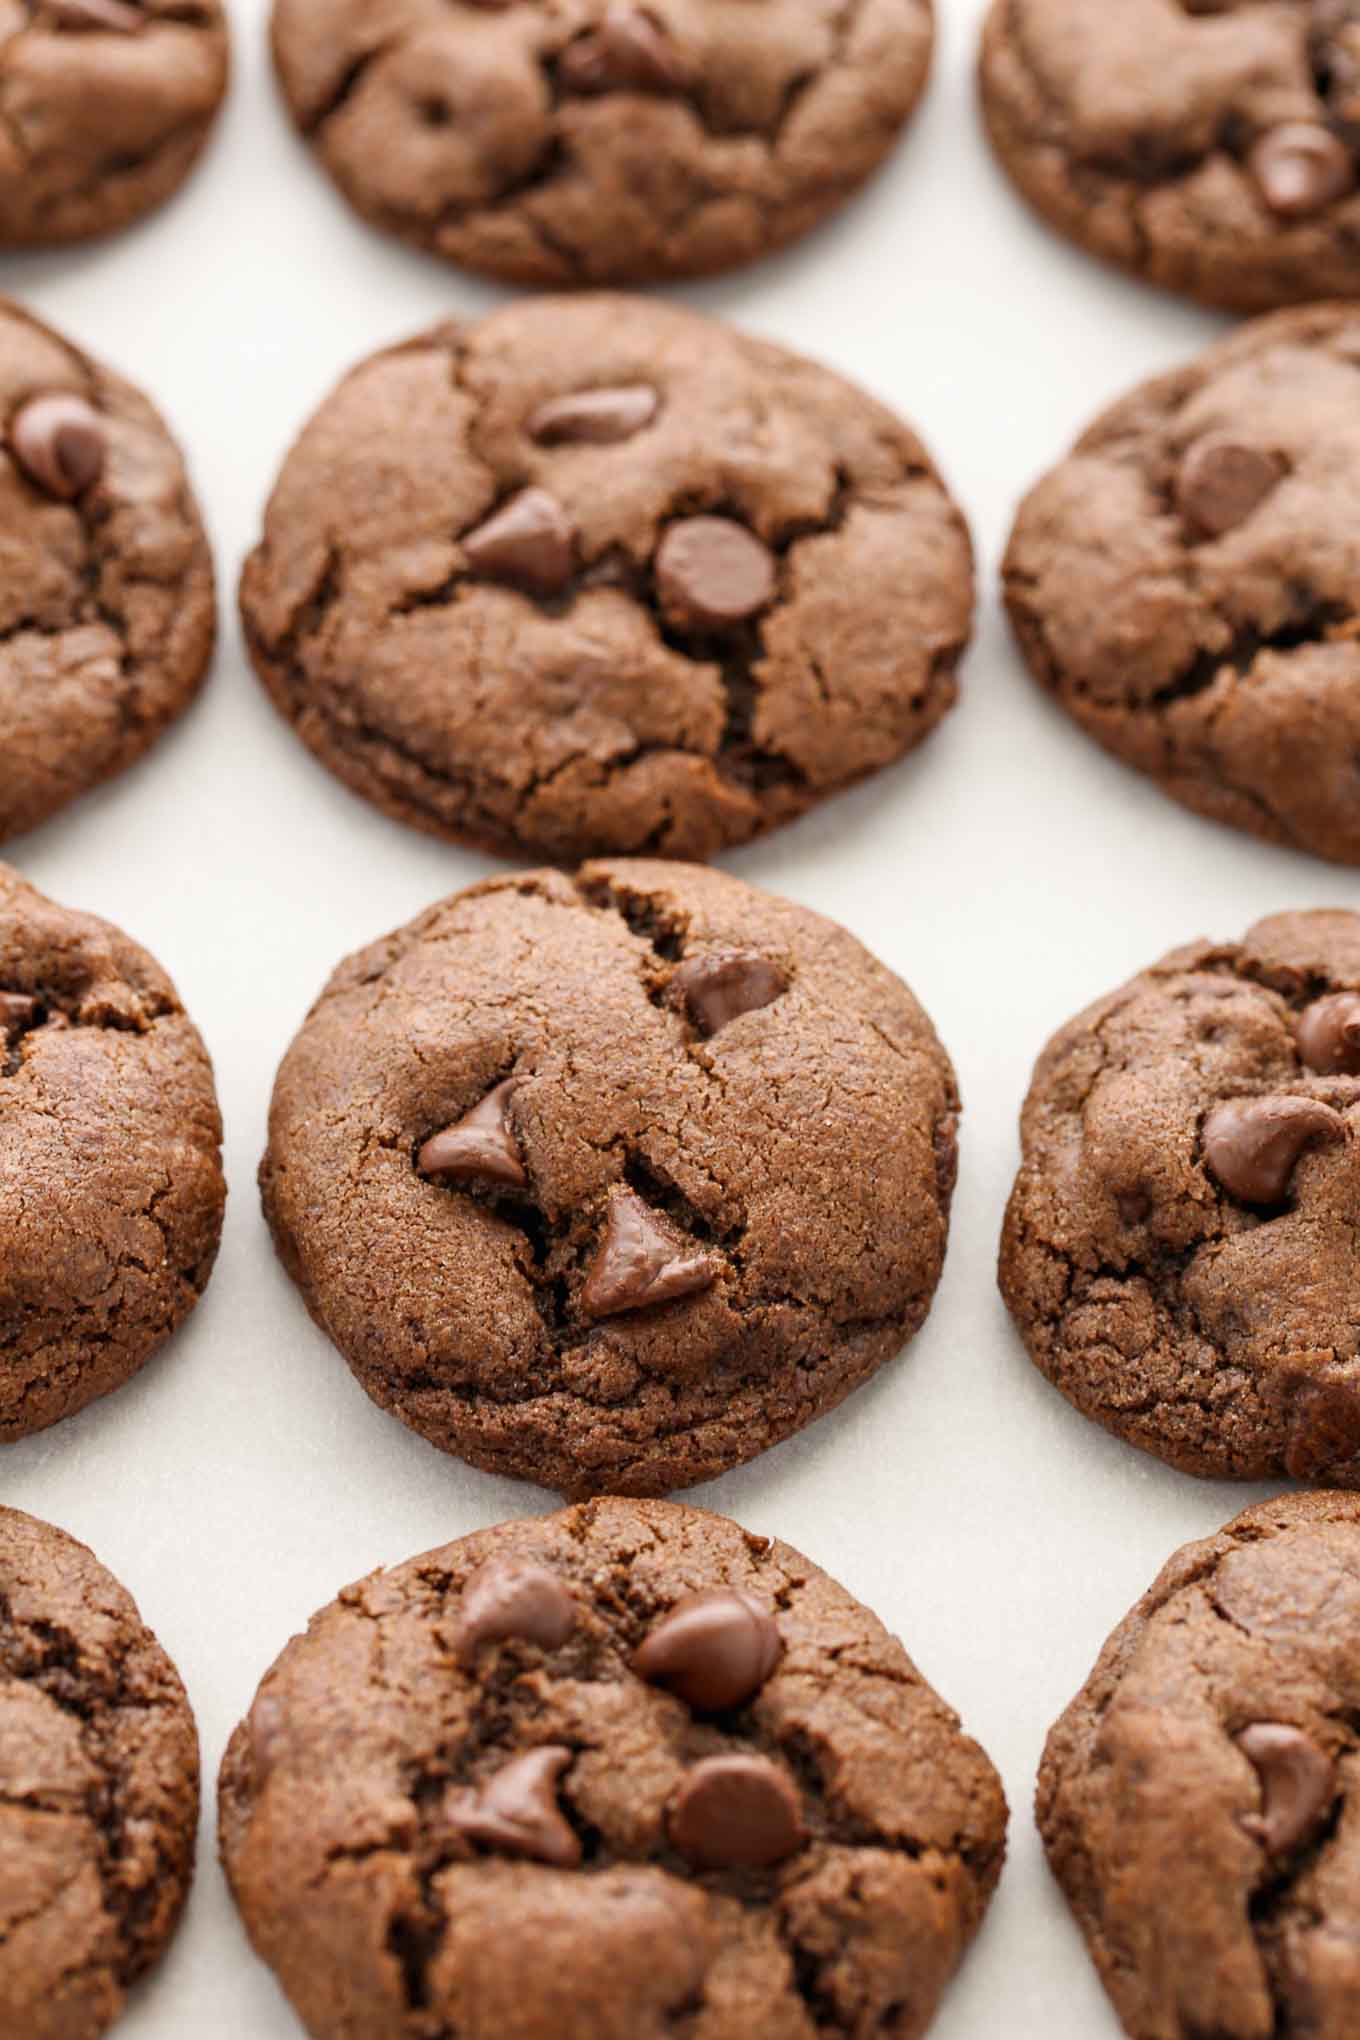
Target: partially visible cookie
(111,1189)
(556,142)
(1184,581)
(107,610)
(611,1183)
(1210,146)
(1179,1251)
(1200,1798)
(107,105)
(599,574)
(98,1789)
(615,1774)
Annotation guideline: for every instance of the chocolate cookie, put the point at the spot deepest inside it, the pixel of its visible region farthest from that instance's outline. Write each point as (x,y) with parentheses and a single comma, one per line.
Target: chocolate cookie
(107,105)
(612,1182)
(1200,1798)
(1184,583)
(599,574)
(111,1188)
(107,611)
(616,1774)
(1179,1251)
(98,1789)
(1211,146)
(586,141)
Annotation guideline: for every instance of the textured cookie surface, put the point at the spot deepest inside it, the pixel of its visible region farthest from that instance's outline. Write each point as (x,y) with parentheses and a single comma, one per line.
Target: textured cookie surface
(612,1183)
(98,1788)
(107,611)
(599,574)
(105,106)
(111,1189)
(1200,1798)
(1184,583)
(1179,1251)
(518,1787)
(588,141)
(1211,146)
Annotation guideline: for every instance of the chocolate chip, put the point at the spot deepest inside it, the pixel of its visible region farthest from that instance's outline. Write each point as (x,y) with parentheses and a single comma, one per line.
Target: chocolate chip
(1329,1035)
(720,987)
(508,1598)
(111,15)
(641,1262)
(516,1813)
(528,542)
(1301,168)
(711,572)
(1221,482)
(1298,1784)
(480,1147)
(1252,1145)
(59,442)
(594,417)
(714,1650)
(735,1812)
(18,1012)
(629,48)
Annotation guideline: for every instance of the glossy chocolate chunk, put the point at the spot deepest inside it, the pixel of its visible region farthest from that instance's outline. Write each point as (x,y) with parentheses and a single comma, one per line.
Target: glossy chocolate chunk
(630,49)
(736,1812)
(1221,481)
(528,542)
(59,442)
(508,1598)
(641,1261)
(1298,1784)
(1252,1145)
(1301,168)
(718,988)
(480,1147)
(515,1811)
(601,417)
(1329,1035)
(712,573)
(714,1650)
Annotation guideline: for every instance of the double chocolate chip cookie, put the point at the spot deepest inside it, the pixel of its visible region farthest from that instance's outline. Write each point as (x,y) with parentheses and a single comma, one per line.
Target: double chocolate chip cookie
(1211,146)
(596,141)
(616,1774)
(1180,1248)
(1184,581)
(107,610)
(610,1183)
(600,575)
(111,1190)
(98,1789)
(1200,1798)
(105,107)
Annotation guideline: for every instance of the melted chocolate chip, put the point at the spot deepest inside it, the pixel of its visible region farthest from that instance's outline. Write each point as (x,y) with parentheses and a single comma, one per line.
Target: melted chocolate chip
(1252,1145)
(515,1812)
(712,573)
(600,417)
(1329,1035)
(508,1598)
(1301,168)
(719,988)
(735,1812)
(59,442)
(1298,1784)
(480,1147)
(641,1262)
(528,542)
(714,1650)
(18,1012)
(1221,482)
(630,48)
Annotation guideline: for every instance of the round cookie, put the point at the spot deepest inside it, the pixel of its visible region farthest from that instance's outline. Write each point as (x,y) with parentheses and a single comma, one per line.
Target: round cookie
(98,1789)
(107,107)
(598,574)
(569,142)
(615,1774)
(107,609)
(1210,146)
(1183,581)
(1200,1798)
(1179,1249)
(111,1190)
(610,1183)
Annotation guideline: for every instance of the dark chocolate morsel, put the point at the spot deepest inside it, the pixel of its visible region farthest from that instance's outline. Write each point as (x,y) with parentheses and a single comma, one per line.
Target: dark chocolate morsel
(515,1811)
(1298,1784)
(599,417)
(508,1598)
(1300,168)
(641,1261)
(17,1014)
(714,1650)
(527,542)
(711,573)
(1221,481)
(630,48)
(718,988)
(1252,1145)
(58,440)
(735,1812)
(1329,1035)
(480,1147)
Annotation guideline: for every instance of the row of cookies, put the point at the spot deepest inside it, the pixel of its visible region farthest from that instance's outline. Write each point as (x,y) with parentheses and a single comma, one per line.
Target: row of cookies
(599,575)
(702,1788)
(611,1182)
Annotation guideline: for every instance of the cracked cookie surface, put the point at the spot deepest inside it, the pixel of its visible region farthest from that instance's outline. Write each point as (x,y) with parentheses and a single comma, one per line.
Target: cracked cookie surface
(561,142)
(1210,146)
(1200,1798)
(107,608)
(348,1842)
(98,1788)
(111,1188)
(105,106)
(598,574)
(1183,581)
(573,1210)
(1180,1249)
